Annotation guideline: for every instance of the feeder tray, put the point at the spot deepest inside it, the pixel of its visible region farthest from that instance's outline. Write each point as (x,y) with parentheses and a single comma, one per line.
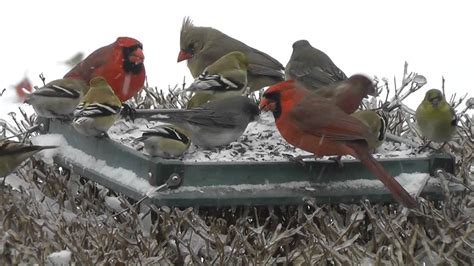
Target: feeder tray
(222,184)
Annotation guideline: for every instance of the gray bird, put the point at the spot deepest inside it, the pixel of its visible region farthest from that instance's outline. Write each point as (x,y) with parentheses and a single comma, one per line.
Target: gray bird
(202,46)
(214,124)
(311,67)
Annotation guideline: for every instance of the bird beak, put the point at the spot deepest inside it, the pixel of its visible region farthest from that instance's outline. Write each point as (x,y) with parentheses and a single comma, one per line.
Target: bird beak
(435,101)
(266,105)
(183,55)
(137,56)
(372,91)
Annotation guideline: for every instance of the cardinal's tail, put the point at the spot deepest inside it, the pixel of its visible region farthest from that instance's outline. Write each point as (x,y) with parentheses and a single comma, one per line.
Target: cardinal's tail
(398,192)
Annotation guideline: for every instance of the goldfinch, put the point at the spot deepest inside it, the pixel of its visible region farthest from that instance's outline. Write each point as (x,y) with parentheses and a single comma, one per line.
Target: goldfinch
(224,78)
(436,119)
(165,141)
(377,122)
(214,124)
(13,153)
(202,46)
(58,98)
(311,67)
(98,111)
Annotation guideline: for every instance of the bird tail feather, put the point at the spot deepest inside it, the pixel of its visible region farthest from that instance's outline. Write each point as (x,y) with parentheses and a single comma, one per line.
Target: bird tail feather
(398,192)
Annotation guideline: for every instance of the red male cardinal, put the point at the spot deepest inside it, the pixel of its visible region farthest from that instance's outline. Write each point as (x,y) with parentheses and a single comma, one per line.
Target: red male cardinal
(23,85)
(316,124)
(120,63)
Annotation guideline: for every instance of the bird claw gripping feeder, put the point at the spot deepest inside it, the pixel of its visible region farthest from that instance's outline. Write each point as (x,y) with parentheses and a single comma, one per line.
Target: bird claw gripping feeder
(220,184)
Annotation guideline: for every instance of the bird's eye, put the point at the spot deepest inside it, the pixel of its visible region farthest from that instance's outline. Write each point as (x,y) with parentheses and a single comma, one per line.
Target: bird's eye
(191,47)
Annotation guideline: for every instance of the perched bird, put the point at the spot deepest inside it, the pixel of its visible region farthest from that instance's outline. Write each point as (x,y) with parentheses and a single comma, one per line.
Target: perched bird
(214,124)
(13,153)
(377,123)
(347,94)
(436,119)
(202,46)
(330,132)
(120,63)
(312,67)
(226,77)
(166,141)
(99,109)
(23,86)
(74,60)
(58,98)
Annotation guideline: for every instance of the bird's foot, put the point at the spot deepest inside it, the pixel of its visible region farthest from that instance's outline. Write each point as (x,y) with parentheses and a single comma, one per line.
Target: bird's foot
(64,118)
(337,160)
(128,112)
(440,149)
(103,135)
(424,146)
(298,159)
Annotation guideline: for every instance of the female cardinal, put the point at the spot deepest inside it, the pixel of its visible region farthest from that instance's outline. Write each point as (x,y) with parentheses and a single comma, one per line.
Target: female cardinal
(120,63)
(316,124)
(347,94)
(202,46)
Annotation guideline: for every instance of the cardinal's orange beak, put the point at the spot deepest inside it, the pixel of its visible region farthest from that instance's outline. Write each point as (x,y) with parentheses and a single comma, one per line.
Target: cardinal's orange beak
(137,56)
(266,105)
(183,55)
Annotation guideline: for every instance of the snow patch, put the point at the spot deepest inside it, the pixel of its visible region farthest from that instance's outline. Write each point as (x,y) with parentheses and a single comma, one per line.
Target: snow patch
(62,257)
(413,183)
(260,142)
(243,187)
(119,175)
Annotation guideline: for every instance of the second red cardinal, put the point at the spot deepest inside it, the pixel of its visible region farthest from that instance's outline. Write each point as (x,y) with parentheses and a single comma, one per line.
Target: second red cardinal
(120,63)
(316,124)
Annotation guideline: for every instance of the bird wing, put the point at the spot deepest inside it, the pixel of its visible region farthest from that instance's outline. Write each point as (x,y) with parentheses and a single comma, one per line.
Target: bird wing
(204,117)
(315,76)
(53,90)
(261,63)
(96,110)
(322,118)
(165,132)
(90,64)
(214,82)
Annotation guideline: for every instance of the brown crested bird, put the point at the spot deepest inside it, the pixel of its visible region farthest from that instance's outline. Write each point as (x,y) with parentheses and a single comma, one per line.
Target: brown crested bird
(347,94)
(202,46)
(311,67)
